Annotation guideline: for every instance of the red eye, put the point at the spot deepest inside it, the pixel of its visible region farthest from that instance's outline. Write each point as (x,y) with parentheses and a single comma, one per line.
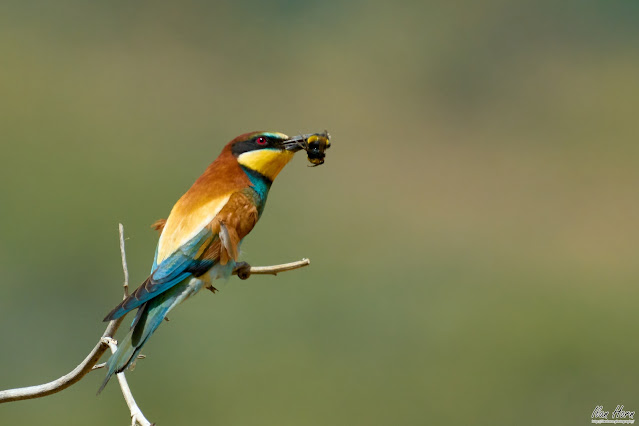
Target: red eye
(261,140)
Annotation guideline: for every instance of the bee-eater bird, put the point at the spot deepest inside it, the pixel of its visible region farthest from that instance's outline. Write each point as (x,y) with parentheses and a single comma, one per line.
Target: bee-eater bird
(200,240)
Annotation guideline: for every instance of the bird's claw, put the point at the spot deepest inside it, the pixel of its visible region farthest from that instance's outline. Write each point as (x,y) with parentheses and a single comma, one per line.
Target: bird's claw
(243,270)
(211,288)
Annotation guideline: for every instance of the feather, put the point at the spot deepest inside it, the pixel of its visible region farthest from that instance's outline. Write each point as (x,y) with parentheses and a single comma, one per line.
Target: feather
(202,202)
(158,225)
(229,244)
(149,318)
(179,266)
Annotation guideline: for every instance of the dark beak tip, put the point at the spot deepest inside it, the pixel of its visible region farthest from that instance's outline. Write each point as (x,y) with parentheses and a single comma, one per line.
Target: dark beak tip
(296,143)
(293,147)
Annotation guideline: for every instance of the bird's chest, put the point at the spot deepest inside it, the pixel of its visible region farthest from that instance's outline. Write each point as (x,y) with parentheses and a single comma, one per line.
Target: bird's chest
(258,189)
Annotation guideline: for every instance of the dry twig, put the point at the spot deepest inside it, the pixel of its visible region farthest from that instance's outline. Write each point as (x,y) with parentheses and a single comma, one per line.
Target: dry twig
(244,270)
(68,379)
(85,366)
(106,341)
(136,414)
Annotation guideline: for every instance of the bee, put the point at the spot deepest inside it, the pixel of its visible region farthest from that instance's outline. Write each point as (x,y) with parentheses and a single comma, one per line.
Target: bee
(315,145)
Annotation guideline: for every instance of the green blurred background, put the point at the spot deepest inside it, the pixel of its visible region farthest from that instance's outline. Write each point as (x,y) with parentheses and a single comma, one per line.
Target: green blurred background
(473,234)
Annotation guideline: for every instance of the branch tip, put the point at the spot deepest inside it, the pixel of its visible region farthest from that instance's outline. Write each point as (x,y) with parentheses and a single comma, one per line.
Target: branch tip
(243,270)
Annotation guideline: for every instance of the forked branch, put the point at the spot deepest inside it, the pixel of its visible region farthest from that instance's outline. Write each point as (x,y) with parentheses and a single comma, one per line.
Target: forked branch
(106,341)
(136,414)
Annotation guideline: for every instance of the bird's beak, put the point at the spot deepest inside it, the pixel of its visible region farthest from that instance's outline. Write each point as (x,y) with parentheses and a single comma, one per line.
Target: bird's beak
(296,143)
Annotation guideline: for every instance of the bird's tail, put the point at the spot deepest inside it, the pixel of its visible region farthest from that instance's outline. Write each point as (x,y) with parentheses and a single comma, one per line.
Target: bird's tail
(149,316)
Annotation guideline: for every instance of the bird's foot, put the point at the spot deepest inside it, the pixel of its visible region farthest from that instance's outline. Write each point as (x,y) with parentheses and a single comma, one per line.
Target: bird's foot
(211,288)
(243,270)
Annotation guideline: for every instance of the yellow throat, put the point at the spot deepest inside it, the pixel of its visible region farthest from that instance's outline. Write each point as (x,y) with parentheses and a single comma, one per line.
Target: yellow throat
(268,162)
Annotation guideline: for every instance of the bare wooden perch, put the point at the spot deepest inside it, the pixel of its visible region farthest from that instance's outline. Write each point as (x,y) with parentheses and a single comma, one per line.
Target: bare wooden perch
(68,379)
(136,414)
(243,271)
(85,366)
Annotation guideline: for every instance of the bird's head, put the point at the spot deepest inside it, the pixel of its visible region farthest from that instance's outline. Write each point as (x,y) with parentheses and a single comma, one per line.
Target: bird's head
(265,152)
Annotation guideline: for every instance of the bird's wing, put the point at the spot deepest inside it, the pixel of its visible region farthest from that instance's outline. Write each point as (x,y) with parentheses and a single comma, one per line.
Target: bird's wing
(174,269)
(217,242)
(190,215)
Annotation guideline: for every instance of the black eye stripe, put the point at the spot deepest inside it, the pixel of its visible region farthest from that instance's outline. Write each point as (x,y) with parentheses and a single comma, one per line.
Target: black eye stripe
(255,143)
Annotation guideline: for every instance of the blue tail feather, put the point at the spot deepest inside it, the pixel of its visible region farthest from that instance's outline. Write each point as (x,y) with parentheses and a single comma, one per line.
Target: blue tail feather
(173,270)
(148,319)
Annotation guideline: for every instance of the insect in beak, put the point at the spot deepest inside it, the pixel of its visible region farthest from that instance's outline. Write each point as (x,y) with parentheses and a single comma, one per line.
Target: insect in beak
(315,145)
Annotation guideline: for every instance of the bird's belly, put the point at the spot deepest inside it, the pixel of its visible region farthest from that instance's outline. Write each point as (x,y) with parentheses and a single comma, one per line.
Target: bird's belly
(215,273)
(221,271)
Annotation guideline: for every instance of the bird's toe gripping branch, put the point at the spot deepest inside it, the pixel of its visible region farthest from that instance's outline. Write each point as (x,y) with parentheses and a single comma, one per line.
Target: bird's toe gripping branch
(242,270)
